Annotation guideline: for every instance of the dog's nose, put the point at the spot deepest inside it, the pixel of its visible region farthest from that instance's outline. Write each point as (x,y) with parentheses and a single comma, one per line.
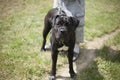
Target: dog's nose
(63,30)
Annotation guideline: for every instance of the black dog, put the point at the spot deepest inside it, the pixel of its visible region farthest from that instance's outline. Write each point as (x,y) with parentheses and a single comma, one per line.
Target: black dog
(62,34)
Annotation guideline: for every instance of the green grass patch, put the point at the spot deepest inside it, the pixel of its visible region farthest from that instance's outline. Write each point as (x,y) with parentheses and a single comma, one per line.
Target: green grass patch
(21,37)
(109,59)
(21,26)
(101,17)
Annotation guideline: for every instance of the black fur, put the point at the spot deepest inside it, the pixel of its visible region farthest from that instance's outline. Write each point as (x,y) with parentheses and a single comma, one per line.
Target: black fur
(62,33)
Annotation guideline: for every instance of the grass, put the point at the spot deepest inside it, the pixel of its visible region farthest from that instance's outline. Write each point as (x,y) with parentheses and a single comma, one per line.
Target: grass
(106,65)
(101,17)
(21,25)
(20,43)
(109,59)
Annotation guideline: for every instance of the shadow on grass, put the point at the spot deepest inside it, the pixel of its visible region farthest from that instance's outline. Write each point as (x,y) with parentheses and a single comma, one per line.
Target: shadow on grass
(90,73)
(110,54)
(87,67)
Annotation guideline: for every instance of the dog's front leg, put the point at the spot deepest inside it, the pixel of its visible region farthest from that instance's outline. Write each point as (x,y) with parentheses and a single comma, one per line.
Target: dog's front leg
(70,57)
(54,62)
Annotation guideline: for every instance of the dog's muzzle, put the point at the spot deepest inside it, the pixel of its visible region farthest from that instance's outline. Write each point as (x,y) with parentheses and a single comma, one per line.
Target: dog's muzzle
(62,33)
(62,29)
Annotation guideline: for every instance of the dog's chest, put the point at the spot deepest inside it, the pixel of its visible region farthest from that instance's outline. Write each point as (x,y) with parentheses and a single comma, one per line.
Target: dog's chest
(65,48)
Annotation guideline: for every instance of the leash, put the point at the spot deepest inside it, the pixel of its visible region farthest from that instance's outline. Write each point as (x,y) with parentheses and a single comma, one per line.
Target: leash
(59,7)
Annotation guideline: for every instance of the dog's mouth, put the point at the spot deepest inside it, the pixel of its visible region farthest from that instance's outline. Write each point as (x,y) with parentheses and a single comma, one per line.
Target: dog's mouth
(61,38)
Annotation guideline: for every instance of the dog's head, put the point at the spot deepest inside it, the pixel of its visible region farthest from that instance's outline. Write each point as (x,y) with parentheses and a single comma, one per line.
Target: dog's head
(64,26)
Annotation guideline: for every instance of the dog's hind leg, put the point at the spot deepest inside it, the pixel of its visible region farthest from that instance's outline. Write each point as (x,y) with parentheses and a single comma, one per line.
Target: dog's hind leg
(46,30)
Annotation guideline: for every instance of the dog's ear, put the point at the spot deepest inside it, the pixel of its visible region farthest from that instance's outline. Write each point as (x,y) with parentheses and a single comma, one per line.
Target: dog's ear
(74,22)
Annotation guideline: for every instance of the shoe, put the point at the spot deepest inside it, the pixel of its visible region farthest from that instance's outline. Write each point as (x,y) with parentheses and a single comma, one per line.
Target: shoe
(76,52)
(75,56)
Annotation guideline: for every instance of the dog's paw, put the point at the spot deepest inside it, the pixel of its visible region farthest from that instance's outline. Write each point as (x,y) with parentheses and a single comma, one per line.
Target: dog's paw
(42,49)
(73,76)
(51,77)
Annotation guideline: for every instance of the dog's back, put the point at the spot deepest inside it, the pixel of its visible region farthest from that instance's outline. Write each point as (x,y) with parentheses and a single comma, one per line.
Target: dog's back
(52,13)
